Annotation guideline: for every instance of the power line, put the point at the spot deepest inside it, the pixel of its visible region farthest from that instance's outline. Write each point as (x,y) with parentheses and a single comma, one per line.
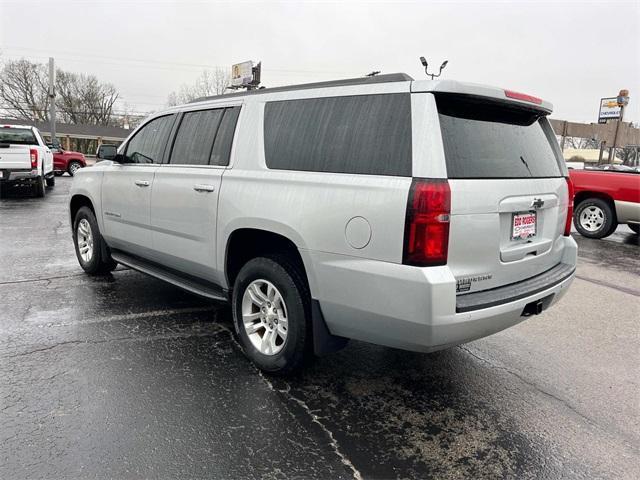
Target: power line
(90,57)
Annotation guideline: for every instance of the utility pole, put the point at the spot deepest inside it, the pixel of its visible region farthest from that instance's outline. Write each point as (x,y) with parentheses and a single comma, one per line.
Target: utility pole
(52,100)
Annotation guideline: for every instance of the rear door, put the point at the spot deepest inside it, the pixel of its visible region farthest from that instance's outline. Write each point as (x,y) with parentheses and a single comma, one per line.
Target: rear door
(126,188)
(184,205)
(508,191)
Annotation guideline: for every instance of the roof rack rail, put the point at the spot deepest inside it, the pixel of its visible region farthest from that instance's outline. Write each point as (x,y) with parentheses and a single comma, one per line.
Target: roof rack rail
(386,78)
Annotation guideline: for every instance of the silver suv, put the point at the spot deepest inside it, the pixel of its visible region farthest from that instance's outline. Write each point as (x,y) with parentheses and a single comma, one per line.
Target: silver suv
(413,214)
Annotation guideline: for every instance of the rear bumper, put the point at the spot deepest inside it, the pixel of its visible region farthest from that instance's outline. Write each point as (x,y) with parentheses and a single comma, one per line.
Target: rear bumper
(417,308)
(13,175)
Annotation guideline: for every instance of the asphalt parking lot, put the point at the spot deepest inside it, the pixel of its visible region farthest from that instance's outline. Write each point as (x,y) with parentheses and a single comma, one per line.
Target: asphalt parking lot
(127,377)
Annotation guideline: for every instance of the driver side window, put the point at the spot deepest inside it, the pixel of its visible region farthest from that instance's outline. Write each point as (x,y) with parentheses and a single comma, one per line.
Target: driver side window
(148,144)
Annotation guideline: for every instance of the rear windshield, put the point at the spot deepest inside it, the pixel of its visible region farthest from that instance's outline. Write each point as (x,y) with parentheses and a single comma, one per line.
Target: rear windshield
(488,139)
(18,136)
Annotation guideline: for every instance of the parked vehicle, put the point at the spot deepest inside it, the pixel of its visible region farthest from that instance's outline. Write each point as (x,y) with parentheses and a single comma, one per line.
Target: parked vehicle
(412,214)
(25,159)
(604,199)
(66,161)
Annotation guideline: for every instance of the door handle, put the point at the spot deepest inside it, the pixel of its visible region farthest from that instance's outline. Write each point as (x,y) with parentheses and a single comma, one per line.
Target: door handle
(203,188)
(142,183)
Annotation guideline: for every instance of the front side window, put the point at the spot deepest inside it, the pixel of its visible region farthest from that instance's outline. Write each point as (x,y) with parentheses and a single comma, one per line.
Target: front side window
(148,144)
(364,134)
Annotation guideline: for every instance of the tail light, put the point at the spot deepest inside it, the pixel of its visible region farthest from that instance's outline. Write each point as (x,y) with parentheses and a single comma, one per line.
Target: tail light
(34,157)
(567,225)
(426,234)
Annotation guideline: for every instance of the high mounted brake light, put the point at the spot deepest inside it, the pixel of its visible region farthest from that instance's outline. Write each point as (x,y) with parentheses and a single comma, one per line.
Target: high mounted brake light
(567,225)
(426,235)
(522,96)
(34,157)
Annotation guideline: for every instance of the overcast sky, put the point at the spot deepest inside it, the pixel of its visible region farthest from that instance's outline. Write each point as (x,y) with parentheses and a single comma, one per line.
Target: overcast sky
(570,53)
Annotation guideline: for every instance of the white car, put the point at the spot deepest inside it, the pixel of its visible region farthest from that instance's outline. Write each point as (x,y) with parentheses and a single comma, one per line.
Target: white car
(25,159)
(411,214)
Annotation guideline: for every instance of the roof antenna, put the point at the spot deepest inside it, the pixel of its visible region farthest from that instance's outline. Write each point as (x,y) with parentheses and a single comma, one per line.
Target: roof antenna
(373,74)
(426,66)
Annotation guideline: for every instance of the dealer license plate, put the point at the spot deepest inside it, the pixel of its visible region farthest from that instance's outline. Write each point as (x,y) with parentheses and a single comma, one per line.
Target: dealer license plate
(523,225)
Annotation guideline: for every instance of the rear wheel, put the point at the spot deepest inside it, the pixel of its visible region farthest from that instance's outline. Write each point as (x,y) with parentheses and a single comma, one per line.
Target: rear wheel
(89,244)
(594,218)
(271,312)
(73,168)
(39,186)
(635,227)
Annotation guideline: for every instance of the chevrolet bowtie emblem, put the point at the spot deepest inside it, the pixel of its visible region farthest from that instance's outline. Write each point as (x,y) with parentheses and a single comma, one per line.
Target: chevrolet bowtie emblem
(537,203)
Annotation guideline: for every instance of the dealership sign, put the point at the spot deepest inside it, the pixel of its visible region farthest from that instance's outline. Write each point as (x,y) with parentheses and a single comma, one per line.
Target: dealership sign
(609,109)
(242,74)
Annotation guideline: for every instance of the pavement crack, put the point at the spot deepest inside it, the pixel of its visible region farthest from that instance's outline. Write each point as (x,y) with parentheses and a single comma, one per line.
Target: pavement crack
(537,388)
(314,418)
(45,279)
(602,283)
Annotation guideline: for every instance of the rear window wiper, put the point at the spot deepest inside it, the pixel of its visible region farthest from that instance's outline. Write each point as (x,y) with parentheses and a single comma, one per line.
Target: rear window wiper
(526,165)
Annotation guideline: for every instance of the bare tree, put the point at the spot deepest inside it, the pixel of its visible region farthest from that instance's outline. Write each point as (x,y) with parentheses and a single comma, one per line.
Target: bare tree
(581,143)
(23,90)
(83,99)
(79,98)
(210,82)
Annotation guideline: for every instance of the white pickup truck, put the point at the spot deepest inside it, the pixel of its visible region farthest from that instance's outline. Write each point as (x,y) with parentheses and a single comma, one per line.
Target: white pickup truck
(25,159)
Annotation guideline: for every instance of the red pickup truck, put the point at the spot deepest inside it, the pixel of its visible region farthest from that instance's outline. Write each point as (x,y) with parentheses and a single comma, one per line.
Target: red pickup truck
(67,161)
(603,199)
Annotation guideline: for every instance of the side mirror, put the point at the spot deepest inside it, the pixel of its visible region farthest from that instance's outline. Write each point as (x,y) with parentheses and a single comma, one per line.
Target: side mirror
(106,152)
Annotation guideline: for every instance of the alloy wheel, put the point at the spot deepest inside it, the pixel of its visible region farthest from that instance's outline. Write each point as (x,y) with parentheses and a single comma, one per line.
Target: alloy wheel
(592,218)
(264,316)
(85,240)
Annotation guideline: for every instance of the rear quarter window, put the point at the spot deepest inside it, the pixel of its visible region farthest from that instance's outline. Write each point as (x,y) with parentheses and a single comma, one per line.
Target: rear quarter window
(488,139)
(366,134)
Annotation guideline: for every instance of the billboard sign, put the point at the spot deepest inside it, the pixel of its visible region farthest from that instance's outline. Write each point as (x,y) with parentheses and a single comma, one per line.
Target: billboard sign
(242,74)
(609,109)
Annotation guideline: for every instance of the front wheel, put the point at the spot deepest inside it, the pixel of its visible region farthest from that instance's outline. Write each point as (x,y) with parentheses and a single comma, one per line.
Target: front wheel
(635,227)
(271,312)
(73,168)
(89,243)
(594,218)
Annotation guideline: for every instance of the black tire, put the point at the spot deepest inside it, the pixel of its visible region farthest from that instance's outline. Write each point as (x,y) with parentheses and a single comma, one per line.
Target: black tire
(635,227)
(73,164)
(96,264)
(39,186)
(600,218)
(297,349)
(51,181)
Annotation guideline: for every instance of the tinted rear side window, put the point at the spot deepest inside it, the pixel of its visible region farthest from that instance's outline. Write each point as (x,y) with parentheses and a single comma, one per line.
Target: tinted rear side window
(147,146)
(486,139)
(368,134)
(224,138)
(194,140)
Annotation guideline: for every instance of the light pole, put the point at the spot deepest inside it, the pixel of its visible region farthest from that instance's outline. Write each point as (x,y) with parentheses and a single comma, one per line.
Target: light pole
(426,67)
